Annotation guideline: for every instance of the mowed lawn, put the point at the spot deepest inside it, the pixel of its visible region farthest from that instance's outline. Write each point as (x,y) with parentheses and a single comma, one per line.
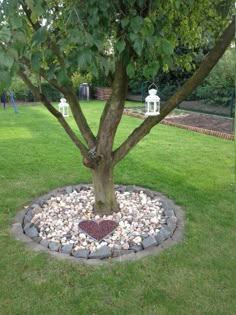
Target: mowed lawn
(197,171)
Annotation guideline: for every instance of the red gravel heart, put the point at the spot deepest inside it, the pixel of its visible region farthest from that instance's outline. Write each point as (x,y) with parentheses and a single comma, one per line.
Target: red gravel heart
(97,230)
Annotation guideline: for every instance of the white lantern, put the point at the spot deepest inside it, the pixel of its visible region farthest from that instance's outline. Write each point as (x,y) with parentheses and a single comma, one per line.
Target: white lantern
(63,107)
(152,102)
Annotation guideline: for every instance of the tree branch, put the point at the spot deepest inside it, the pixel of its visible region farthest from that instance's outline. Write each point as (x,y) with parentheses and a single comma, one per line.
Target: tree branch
(74,106)
(113,110)
(55,113)
(199,75)
(79,116)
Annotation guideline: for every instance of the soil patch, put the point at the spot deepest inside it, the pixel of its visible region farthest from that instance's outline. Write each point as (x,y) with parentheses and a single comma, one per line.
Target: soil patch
(193,119)
(209,122)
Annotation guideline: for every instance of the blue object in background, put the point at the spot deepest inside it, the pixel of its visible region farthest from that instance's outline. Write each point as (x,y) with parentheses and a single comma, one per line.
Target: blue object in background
(3,99)
(13,101)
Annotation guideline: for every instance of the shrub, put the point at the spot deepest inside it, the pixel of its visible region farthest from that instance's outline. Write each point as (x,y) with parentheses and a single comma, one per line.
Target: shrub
(217,87)
(78,79)
(21,91)
(50,92)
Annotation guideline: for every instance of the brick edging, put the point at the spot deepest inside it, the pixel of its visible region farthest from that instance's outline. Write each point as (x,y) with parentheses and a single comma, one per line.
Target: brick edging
(191,128)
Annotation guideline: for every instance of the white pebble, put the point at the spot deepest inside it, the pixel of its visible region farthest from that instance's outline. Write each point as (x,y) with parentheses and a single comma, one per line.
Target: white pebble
(138,215)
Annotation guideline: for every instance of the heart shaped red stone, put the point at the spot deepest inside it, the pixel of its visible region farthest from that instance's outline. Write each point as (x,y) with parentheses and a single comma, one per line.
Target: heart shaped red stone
(98,230)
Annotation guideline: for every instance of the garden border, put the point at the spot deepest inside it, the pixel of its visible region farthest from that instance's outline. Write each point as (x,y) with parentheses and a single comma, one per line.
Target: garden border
(191,128)
(175,237)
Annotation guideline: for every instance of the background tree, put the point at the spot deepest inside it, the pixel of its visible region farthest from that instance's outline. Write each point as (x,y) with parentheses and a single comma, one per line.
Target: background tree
(53,38)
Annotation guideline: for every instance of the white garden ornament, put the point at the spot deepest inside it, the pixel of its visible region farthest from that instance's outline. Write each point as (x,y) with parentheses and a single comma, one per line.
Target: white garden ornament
(152,103)
(63,107)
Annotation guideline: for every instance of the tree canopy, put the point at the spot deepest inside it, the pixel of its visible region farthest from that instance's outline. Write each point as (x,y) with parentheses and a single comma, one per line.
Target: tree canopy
(54,38)
(60,36)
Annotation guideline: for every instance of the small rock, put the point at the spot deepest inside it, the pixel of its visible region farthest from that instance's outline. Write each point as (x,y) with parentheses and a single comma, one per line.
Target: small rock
(149,241)
(145,235)
(102,244)
(69,189)
(137,248)
(169,213)
(137,240)
(160,238)
(166,233)
(171,223)
(101,253)
(54,246)
(36,209)
(81,253)
(35,220)
(27,226)
(66,249)
(29,212)
(31,231)
(27,219)
(154,220)
(125,246)
(82,236)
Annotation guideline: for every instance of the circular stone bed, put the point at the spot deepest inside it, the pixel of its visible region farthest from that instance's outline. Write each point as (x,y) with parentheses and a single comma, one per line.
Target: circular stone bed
(63,221)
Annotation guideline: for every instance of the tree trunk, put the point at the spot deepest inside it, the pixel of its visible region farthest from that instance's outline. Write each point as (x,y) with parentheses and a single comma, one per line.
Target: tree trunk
(105,199)
(102,165)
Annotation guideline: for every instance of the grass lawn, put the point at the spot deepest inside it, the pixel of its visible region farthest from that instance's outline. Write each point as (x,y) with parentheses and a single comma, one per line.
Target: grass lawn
(196,171)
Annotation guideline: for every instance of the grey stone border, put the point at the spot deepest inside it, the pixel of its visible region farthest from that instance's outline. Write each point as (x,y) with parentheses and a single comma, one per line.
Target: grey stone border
(169,236)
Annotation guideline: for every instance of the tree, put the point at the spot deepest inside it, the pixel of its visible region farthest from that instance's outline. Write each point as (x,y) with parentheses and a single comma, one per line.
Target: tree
(53,38)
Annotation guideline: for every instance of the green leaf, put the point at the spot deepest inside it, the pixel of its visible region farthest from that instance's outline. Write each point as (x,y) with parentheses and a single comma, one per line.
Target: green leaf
(136,23)
(84,58)
(146,72)
(5,79)
(6,60)
(130,70)
(124,22)
(138,46)
(75,36)
(120,45)
(94,70)
(37,11)
(20,38)
(166,46)
(36,61)
(51,72)
(5,34)
(16,22)
(15,69)
(62,77)
(99,44)
(30,3)
(13,52)
(148,28)
(151,70)
(177,4)
(48,54)
(89,39)
(155,68)
(39,36)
